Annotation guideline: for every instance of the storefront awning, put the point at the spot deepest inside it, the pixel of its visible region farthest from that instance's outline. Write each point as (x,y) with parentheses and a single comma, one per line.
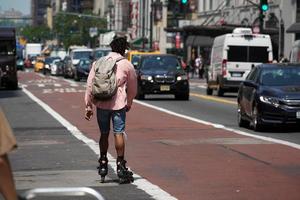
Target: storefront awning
(198,40)
(294,28)
(139,41)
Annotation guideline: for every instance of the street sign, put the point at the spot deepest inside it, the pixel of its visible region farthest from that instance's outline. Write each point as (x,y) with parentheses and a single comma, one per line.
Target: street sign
(93,31)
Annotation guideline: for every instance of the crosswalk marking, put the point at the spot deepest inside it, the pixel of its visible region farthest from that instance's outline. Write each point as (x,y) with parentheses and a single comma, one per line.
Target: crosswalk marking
(41,85)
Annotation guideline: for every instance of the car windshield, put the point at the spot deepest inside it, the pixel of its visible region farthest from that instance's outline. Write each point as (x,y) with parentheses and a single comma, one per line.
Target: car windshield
(84,63)
(135,59)
(7,47)
(50,59)
(101,53)
(283,76)
(82,54)
(167,63)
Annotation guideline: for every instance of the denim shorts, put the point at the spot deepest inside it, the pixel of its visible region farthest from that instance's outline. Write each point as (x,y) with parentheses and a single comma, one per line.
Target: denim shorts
(118,118)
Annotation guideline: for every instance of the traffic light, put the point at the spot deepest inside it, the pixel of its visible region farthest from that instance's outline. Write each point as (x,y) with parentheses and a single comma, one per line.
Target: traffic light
(264,6)
(184,2)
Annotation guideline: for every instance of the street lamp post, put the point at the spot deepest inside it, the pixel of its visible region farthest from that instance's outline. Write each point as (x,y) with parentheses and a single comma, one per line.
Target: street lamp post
(151,24)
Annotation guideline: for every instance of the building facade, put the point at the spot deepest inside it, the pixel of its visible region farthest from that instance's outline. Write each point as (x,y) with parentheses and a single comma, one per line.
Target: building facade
(278,18)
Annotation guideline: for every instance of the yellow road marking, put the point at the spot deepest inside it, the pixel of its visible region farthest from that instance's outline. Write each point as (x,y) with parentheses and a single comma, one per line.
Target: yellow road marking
(213,98)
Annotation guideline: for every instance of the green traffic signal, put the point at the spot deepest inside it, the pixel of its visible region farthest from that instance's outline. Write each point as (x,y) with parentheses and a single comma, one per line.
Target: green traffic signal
(184,1)
(264,7)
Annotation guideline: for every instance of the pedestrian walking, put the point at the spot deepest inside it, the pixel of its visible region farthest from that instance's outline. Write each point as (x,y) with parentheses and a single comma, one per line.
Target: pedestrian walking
(114,109)
(7,144)
(192,68)
(283,59)
(199,66)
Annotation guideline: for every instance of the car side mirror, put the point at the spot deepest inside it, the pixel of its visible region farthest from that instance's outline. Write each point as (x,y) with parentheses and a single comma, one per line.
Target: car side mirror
(250,84)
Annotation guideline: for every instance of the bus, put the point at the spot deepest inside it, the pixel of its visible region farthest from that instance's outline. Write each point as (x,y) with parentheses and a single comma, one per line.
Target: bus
(8,58)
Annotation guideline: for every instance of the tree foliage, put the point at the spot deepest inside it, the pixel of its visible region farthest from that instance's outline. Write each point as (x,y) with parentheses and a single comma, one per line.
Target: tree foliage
(37,34)
(71,29)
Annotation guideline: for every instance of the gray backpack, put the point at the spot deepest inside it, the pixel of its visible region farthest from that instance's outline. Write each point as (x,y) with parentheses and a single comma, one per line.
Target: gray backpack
(104,85)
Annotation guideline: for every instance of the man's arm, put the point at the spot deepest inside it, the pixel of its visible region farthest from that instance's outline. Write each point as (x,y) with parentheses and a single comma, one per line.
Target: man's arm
(131,86)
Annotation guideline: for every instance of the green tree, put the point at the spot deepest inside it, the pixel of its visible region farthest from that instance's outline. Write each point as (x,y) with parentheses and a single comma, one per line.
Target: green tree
(73,29)
(36,34)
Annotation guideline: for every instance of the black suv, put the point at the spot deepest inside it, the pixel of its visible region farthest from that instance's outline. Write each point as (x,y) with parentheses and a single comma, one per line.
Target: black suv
(162,74)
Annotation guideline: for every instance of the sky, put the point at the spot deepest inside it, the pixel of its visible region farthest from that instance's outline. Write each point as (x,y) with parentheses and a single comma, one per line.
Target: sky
(21,5)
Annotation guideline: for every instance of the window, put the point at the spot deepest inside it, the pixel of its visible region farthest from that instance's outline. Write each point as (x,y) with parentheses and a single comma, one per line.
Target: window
(7,47)
(248,54)
(298,11)
(281,76)
(237,54)
(258,54)
(161,63)
(82,54)
(252,76)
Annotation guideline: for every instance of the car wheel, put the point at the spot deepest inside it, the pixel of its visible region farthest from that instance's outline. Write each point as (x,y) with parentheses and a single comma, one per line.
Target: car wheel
(65,74)
(241,122)
(140,94)
(209,91)
(220,92)
(256,121)
(76,77)
(185,97)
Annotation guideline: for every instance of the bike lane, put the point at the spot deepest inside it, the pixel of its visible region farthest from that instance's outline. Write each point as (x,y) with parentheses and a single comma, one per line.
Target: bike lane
(187,159)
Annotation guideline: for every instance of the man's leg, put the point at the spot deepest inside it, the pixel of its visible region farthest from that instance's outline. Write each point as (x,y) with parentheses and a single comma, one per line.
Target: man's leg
(103,118)
(120,145)
(103,144)
(7,185)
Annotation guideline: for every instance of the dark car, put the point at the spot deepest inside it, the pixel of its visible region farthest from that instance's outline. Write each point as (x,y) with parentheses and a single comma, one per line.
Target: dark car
(82,69)
(162,74)
(47,64)
(67,67)
(100,52)
(270,95)
(20,64)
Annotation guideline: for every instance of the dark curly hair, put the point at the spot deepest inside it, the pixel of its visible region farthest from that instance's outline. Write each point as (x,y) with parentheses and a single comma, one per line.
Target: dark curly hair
(119,45)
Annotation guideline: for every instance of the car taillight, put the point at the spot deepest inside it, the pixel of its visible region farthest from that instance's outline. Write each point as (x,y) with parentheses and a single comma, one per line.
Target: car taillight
(224,67)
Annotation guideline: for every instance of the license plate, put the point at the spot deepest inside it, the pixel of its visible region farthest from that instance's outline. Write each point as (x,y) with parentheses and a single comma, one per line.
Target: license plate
(236,74)
(298,115)
(164,88)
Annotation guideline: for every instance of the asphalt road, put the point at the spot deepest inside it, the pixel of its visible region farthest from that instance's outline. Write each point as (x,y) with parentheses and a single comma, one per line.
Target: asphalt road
(218,110)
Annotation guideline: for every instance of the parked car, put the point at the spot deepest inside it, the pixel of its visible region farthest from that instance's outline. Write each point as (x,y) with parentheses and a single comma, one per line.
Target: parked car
(20,64)
(48,62)
(67,66)
(39,64)
(27,63)
(82,69)
(56,67)
(100,52)
(76,55)
(270,95)
(162,74)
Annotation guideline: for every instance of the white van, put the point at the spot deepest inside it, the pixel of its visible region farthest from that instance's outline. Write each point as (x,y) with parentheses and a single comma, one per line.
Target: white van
(233,56)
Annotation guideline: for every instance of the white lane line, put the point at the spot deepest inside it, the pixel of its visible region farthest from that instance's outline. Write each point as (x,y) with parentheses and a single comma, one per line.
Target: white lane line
(141,183)
(72,84)
(269,139)
(57,85)
(41,85)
